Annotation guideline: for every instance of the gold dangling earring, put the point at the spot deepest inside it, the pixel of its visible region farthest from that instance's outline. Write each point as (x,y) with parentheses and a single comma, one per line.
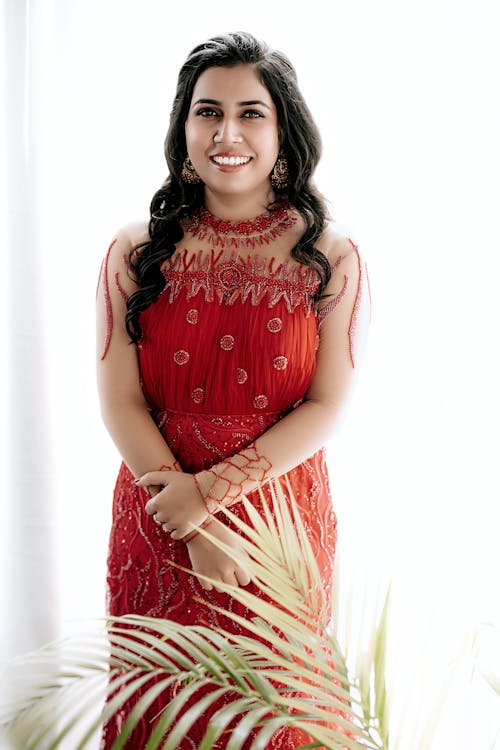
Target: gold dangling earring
(280,174)
(189,173)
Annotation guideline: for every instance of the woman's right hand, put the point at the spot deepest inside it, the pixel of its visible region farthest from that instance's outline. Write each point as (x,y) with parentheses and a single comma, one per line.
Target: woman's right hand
(209,560)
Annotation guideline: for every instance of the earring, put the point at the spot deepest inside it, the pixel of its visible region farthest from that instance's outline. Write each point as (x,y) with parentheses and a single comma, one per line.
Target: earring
(189,173)
(280,174)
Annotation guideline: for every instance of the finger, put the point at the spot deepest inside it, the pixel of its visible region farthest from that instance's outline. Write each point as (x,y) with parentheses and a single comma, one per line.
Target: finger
(205,585)
(153,477)
(242,577)
(229,579)
(150,507)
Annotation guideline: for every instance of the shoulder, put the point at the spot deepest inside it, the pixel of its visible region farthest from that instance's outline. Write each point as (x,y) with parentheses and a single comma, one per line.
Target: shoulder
(347,292)
(124,241)
(116,264)
(347,265)
(131,235)
(336,244)
(343,256)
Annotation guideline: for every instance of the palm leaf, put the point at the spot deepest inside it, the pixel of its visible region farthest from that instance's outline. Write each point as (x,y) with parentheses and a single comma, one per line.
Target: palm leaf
(287,670)
(224,716)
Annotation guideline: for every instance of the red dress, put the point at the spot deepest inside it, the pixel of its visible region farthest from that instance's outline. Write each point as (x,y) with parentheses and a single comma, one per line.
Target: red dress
(228,349)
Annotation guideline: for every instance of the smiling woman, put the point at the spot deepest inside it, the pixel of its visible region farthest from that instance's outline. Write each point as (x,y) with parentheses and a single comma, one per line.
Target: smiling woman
(229,328)
(232,141)
(402,95)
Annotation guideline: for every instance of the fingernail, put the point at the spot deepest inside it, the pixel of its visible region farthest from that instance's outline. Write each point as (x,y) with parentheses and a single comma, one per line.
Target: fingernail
(136,481)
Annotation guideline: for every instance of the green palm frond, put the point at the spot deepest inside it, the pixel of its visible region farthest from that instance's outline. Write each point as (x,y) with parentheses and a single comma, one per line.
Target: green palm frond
(287,670)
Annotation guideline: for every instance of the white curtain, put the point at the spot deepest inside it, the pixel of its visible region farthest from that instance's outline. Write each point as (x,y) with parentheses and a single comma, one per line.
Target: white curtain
(30,601)
(405,95)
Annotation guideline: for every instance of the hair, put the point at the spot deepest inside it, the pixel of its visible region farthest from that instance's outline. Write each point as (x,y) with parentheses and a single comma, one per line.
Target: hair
(300,143)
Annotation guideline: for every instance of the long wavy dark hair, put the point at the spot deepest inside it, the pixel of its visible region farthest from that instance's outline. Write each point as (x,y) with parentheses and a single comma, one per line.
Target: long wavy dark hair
(299,142)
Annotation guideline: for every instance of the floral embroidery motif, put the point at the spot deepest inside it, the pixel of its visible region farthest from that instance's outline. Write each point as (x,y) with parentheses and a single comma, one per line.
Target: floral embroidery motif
(198,394)
(192,316)
(280,363)
(261,401)
(241,376)
(274,325)
(252,233)
(227,342)
(230,278)
(181,357)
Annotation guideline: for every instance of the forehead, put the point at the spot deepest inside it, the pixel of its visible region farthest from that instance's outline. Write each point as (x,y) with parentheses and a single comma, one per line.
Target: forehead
(238,83)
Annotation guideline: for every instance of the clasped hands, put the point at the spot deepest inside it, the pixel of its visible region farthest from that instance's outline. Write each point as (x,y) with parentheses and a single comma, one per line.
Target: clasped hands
(177,504)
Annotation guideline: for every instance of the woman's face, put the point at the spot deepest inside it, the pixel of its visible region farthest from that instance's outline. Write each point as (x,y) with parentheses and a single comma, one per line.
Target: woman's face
(232,132)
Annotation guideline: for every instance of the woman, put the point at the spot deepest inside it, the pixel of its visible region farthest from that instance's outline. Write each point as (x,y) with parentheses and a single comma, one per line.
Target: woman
(227,338)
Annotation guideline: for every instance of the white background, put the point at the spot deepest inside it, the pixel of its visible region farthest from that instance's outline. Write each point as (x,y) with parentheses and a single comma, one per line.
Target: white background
(406,97)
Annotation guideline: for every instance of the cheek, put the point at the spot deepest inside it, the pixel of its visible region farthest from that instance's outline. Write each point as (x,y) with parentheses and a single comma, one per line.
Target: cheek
(194,137)
(270,142)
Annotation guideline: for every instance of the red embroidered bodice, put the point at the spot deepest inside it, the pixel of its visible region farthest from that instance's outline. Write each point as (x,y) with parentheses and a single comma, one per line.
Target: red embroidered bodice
(225,324)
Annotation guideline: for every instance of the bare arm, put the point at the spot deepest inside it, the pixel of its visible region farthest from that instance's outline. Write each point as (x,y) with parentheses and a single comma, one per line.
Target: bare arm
(123,406)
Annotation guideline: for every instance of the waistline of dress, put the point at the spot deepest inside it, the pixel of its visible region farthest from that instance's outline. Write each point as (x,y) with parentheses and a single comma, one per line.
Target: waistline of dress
(222,415)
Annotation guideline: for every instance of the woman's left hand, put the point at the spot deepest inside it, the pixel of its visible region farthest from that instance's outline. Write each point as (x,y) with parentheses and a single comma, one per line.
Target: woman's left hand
(177,505)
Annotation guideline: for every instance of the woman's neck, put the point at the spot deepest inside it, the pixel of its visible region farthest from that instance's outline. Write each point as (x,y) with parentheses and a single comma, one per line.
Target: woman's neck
(238,207)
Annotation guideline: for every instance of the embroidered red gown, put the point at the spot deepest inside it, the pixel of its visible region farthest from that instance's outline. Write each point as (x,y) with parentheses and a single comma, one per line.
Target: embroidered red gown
(228,349)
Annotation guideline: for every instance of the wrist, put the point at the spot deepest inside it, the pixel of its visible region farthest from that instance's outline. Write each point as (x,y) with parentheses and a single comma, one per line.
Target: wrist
(192,534)
(211,488)
(154,489)
(224,483)
(174,466)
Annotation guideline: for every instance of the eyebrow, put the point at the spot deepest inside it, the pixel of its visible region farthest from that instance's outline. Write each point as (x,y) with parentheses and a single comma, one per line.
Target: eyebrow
(248,103)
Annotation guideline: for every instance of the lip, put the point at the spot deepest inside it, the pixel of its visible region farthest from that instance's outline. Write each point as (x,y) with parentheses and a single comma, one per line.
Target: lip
(228,155)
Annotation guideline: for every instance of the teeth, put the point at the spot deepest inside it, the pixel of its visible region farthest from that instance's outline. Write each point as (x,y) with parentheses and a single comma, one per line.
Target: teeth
(231,161)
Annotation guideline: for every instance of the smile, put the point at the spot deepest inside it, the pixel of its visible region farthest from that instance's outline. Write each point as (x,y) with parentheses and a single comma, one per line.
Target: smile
(230,161)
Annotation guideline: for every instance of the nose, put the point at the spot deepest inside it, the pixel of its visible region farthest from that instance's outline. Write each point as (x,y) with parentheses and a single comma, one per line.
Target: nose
(228,132)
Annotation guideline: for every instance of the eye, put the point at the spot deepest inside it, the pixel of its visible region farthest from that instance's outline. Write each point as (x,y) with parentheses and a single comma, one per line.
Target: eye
(251,114)
(207,112)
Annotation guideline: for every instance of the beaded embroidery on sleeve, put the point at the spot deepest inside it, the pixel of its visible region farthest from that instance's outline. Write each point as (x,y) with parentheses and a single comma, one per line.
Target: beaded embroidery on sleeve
(103,279)
(224,483)
(362,286)
(325,311)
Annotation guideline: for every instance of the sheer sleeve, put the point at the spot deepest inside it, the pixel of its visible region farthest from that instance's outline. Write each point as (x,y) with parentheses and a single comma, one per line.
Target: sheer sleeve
(123,406)
(343,319)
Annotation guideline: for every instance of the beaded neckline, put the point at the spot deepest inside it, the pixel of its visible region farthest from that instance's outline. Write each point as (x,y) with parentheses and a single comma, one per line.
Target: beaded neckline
(240,234)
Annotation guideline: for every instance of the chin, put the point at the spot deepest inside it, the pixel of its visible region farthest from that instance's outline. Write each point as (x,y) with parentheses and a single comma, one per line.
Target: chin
(234,185)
